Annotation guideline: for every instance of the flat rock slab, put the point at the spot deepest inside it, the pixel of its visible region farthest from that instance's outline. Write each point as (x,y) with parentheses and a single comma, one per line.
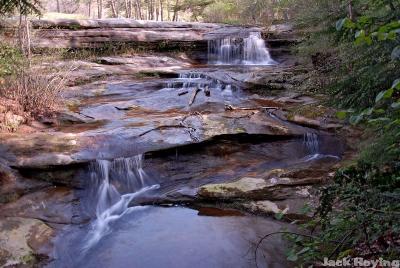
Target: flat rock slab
(147,115)
(22,240)
(253,188)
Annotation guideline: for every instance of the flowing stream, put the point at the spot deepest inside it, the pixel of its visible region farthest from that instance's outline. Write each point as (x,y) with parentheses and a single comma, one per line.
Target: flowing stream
(124,229)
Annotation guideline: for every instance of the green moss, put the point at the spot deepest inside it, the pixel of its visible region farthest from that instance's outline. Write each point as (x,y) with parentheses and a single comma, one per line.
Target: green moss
(311,111)
(28,259)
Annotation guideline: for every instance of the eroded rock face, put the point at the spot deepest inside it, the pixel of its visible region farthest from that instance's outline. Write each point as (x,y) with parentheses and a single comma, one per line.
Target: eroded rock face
(23,241)
(52,205)
(12,185)
(69,33)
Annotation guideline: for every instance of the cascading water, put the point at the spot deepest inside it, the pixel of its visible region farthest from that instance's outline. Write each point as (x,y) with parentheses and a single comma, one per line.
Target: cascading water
(251,50)
(114,184)
(188,81)
(312,145)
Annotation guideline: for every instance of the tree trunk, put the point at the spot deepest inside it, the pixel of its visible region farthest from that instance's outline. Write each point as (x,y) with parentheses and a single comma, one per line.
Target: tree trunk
(351,11)
(113,9)
(90,8)
(168,10)
(176,10)
(151,10)
(130,8)
(161,10)
(99,9)
(28,39)
(126,9)
(58,6)
(157,9)
(20,30)
(148,9)
(138,10)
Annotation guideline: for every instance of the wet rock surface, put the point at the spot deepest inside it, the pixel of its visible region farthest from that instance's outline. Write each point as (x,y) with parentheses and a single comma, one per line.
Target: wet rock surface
(225,135)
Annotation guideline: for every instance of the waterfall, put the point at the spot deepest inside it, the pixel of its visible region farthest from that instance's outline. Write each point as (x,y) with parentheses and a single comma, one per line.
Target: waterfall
(311,143)
(114,184)
(312,146)
(251,50)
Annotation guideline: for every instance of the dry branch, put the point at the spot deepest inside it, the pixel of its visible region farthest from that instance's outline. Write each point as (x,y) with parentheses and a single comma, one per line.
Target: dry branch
(231,108)
(183,93)
(163,127)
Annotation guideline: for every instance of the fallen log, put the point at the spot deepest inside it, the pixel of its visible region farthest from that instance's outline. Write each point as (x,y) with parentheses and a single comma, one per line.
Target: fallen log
(193,97)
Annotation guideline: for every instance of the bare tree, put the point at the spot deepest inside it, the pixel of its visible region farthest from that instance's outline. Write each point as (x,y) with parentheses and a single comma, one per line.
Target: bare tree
(138,8)
(58,6)
(161,10)
(168,10)
(90,9)
(113,9)
(128,8)
(99,9)
(157,9)
(176,10)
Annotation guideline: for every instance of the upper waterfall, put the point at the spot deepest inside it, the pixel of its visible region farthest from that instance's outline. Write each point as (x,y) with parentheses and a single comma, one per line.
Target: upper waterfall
(250,50)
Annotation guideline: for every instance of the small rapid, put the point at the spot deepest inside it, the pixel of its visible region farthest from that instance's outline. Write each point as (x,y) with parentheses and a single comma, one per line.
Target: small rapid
(251,50)
(114,184)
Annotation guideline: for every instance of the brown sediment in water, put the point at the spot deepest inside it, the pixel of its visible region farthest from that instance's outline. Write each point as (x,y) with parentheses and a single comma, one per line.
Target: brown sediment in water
(218,212)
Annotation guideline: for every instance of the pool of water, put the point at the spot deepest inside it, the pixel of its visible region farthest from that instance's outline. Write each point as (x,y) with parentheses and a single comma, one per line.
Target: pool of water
(174,237)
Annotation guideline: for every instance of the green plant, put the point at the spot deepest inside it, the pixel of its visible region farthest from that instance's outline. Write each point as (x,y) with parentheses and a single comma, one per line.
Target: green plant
(9,58)
(359,211)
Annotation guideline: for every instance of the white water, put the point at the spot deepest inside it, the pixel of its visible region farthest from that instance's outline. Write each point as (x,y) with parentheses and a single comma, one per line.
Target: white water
(311,142)
(251,50)
(114,185)
(190,80)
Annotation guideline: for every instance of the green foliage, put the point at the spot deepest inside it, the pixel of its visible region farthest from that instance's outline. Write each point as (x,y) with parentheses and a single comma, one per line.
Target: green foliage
(359,212)
(24,7)
(9,57)
(246,11)
(196,7)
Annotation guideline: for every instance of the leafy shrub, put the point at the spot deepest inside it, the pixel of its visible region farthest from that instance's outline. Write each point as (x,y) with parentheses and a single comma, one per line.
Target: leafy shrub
(9,58)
